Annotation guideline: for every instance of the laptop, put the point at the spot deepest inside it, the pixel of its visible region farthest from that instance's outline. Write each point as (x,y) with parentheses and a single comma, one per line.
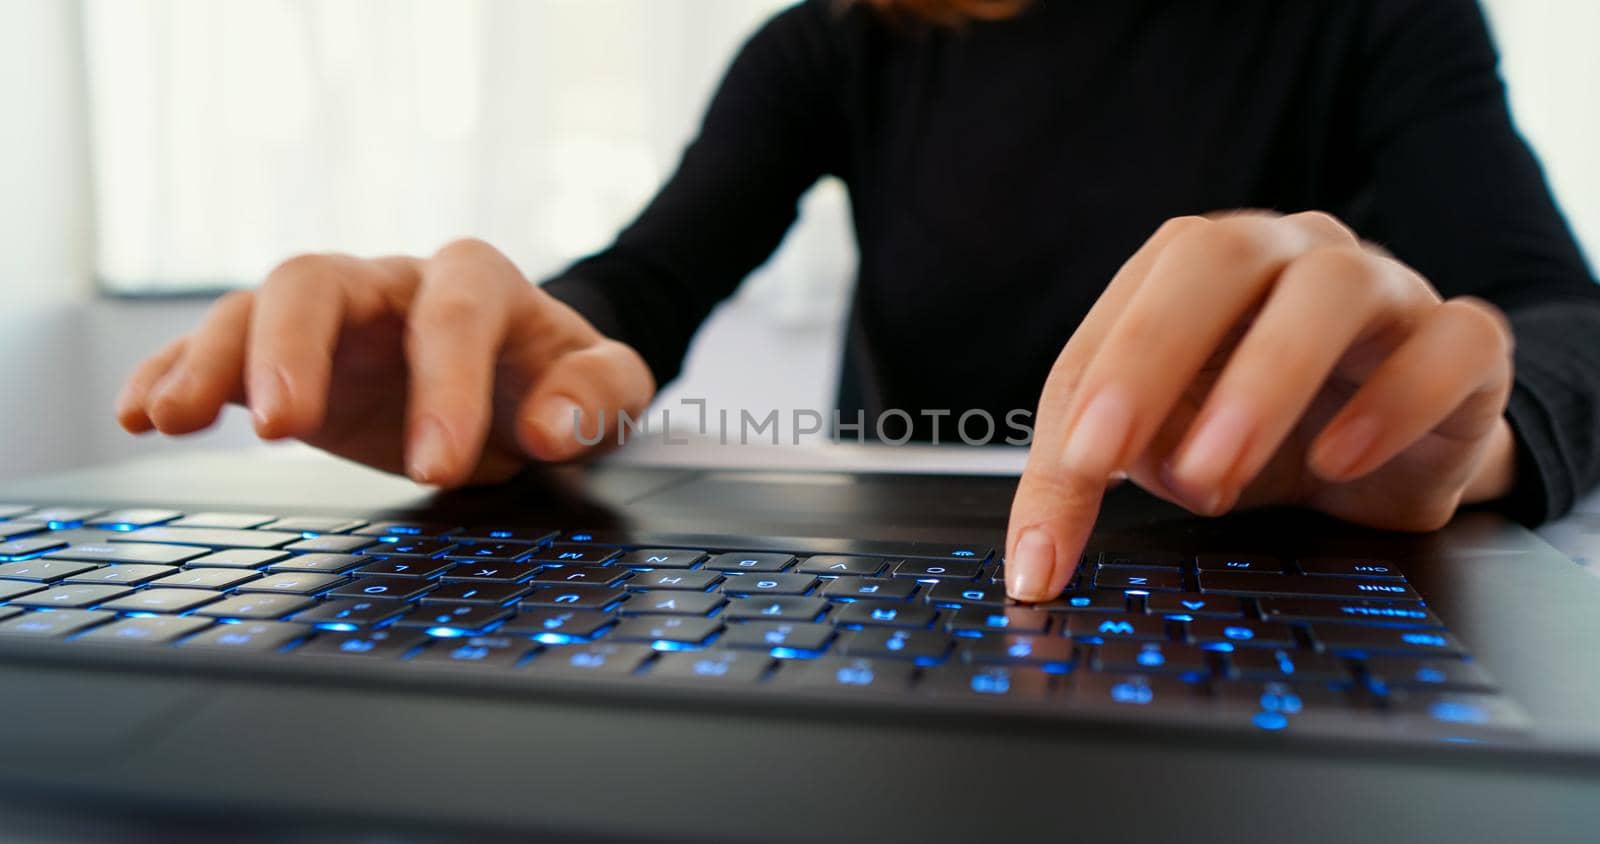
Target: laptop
(239,647)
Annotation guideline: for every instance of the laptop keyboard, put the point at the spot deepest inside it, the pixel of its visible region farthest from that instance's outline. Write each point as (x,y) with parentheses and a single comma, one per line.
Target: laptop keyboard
(1313,644)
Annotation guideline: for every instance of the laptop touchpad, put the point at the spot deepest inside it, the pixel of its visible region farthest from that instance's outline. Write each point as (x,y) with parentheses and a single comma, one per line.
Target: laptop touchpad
(64,717)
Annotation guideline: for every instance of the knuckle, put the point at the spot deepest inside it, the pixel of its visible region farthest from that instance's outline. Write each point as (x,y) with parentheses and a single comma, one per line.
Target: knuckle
(464,247)
(296,268)
(1325,224)
(1178,226)
(447,312)
(1487,327)
(1229,242)
(1358,274)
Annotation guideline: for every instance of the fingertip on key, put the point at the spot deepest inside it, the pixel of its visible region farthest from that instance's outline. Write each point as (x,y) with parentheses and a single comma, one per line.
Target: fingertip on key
(1031,566)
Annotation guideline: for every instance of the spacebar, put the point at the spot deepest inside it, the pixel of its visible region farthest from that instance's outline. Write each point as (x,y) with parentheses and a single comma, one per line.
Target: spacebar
(1280,585)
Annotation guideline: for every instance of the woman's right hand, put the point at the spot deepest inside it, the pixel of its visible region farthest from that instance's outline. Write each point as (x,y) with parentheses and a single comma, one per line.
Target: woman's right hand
(453,369)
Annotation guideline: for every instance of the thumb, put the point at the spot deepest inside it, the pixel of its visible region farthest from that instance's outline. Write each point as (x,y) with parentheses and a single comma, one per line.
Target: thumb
(573,409)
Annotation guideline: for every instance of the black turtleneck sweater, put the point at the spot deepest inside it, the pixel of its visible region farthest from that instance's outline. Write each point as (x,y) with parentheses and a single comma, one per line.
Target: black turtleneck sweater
(1000,173)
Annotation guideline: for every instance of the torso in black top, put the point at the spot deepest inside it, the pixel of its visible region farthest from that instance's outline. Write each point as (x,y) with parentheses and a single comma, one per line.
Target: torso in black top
(1000,174)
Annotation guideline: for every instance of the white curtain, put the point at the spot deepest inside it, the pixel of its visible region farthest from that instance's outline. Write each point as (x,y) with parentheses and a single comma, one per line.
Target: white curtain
(229,134)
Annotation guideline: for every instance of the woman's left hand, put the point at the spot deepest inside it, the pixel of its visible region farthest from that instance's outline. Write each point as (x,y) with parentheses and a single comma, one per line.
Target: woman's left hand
(1255,359)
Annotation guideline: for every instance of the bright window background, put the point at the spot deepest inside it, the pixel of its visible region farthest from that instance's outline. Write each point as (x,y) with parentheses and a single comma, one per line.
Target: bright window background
(228,135)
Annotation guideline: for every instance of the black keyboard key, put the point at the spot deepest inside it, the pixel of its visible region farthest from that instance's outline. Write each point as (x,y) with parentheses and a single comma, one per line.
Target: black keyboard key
(238,558)
(1139,628)
(1404,672)
(319,563)
(22,549)
(227,521)
(1144,580)
(331,544)
(314,524)
(579,624)
(1460,714)
(660,558)
(219,579)
(131,518)
(410,548)
(162,600)
(126,575)
(711,667)
(64,518)
(533,536)
(408,529)
(1151,657)
(1258,634)
(1144,559)
(491,572)
(129,552)
(1094,602)
(72,596)
(953,594)
(408,567)
(1349,567)
(568,554)
(1018,649)
(844,673)
(383,588)
(840,565)
(599,659)
(998,620)
(1359,641)
(921,645)
(672,603)
(938,569)
(1133,691)
(482,651)
(795,636)
(14,530)
(455,620)
(1193,605)
(11,511)
(1230,583)
(255,607)
(1287,665)
(350,613)
(44,625)
(294,583)
(573,598)
(504,552)
(260,636)
(776,608)
(674,629)
(878,588)
(568,576)
(1255,563)
(150,630)
(769,584)
(12,588)
(885,614)
(1013,682)
(389,643)
(209,537)
(1372,613)
(689,581)
(44,571)
(488,594)
(1281,700)
(758,563)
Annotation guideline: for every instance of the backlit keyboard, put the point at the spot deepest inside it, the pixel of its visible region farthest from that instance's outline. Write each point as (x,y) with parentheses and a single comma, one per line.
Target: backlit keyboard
(1314,643)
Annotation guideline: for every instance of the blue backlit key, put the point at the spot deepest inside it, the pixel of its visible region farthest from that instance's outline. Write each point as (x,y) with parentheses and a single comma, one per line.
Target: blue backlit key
(956,594)
(873,588)
(1241,633)
(72,596)
(408,547)
(516,534)
(131,518)
(247,636)
(568,554)
(842,566)
(255,607)
(1132,691)
(408,529)
(493,594)
(885,614)
(1372,613)
(293,583)
(482,651)
(562,624)
(1110,628)
(14,530)
(162,600)
(776,608)
(600,659)
(1187,605)
(1139,579)
(350,613)
(44,625)
(1013,682)
(1349,567)
(574,598)
(319,563)
(1239,562)
(43,571)
(847,674)
(583,575)
(389,643)
(12,588)
(1144,559)
(125,575)
(998,620)
(1404,672)
(129,552)
(677,579)
(1151,658)
(383,588)
(415,567)
(1287,664)
(314,524)
(150,630)
(768,584)
(331,544)
(1018,649)
(219,579)
(711,667)
(230,521)
(672,603)
(796,638)
(758,563)
(938,569)
(919,645)
(1357,641)
(669,630)
(492,572)
(503,551)
(1093,602)
(660,558)
(457,620)
(239,558)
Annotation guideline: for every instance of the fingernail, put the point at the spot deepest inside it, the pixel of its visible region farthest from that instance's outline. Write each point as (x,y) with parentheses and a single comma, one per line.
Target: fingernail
(1030,566)
(1339,453)
(267,395)
(558,421)
(1100,431)
(429,451)
(1200,471)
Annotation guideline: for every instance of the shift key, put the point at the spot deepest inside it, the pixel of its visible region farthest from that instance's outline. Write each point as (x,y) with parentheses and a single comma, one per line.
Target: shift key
(1231,583)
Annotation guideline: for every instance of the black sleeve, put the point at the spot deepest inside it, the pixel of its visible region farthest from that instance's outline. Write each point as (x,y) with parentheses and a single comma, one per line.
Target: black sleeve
(767,137)
(1460,197)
